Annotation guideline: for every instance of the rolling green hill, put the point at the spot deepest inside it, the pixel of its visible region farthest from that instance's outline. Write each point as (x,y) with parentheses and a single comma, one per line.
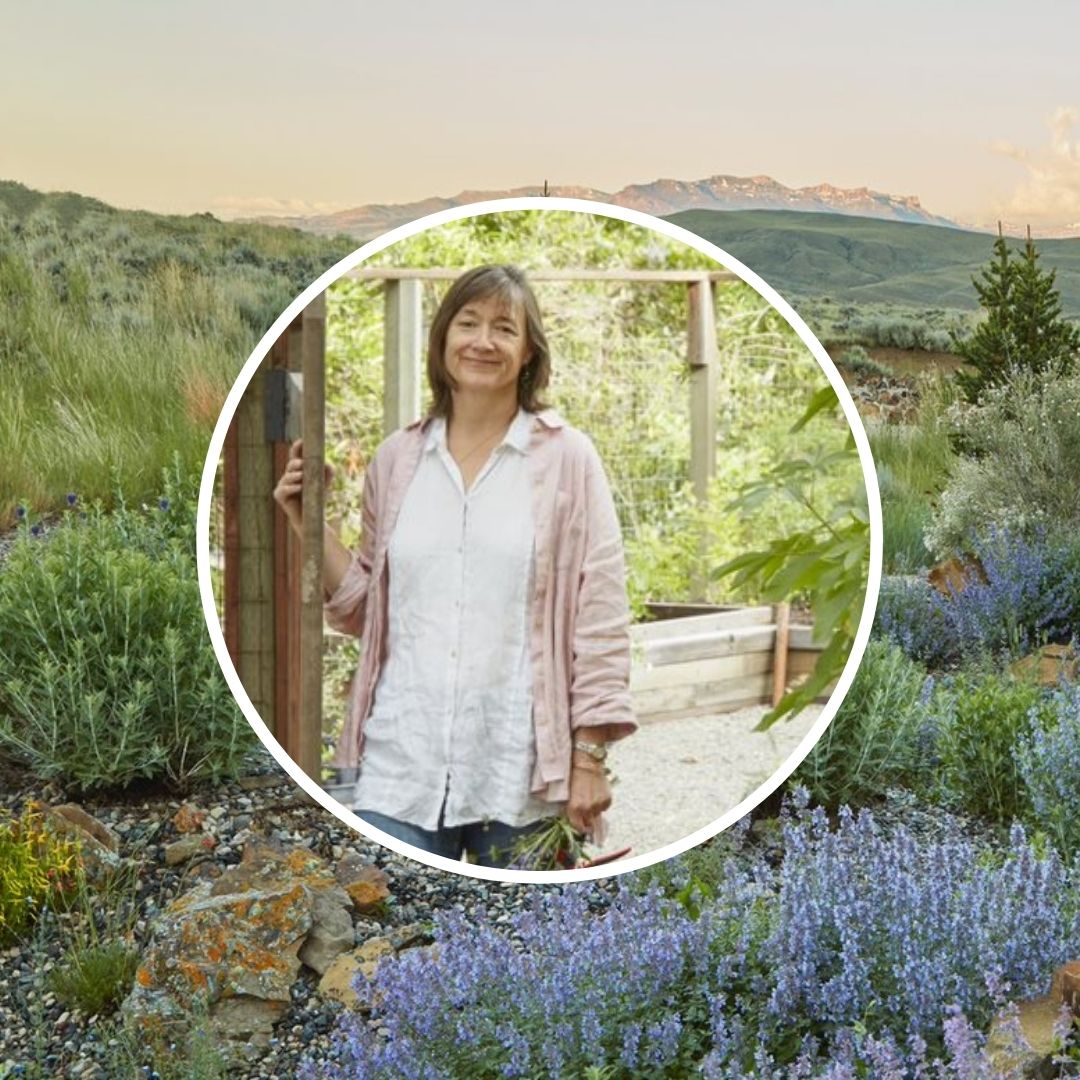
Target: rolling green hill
(865,261)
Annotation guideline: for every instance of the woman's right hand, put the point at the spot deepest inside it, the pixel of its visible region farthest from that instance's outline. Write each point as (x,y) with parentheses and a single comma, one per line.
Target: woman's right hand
(289,493)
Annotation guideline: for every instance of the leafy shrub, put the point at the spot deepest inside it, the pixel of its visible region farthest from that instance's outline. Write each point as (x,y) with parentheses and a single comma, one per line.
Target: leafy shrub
(1022,447)
(1048,760)
(913,461)
(1031,595)
(876,739)
(860,947)
(857,360)
(979,720)
(106,671)
(37,868)
(827,560)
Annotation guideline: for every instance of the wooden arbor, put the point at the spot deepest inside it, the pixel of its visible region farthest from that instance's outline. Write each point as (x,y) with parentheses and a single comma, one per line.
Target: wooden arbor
(273,593)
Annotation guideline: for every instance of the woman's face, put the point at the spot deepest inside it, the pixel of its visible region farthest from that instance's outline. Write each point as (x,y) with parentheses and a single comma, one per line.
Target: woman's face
(486,346)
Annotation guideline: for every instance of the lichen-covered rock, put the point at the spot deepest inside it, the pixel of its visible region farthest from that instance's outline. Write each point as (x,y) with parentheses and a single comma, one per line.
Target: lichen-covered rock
(235,944)
(186,848)
(367,885)
(97,844)
(217,948)
(331,931)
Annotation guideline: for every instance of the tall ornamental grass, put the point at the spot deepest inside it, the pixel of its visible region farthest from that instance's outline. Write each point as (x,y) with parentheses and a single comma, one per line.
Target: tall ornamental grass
(913,463)
(120,334)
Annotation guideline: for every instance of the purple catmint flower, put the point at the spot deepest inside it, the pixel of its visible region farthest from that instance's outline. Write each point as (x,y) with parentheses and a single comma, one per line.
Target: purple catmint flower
(20,512)
(1030,596)
(163,503)
(72,498)
(36,529)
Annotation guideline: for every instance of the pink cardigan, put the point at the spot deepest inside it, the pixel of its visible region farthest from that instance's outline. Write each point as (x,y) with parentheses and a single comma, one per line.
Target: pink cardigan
(580,633)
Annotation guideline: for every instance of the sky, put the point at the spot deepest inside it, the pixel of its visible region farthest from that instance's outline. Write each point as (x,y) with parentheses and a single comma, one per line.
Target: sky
(240,107)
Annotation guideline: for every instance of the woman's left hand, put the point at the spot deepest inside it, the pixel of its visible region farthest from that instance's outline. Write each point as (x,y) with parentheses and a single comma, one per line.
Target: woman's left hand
(590,796)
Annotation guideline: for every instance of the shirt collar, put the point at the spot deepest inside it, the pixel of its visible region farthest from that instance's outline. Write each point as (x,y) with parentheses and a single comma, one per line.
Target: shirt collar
(517,434)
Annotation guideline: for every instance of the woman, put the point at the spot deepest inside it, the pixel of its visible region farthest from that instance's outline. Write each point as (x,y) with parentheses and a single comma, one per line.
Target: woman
(490,594)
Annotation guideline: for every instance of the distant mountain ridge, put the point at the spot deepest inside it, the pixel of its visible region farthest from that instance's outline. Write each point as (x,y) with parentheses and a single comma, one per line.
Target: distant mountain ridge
(660,198)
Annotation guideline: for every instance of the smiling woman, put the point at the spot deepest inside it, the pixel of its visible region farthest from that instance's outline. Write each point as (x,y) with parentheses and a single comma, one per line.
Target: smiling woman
(490,594)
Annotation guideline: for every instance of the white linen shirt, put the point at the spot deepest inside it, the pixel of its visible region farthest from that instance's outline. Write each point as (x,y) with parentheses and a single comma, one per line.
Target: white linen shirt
(452,715)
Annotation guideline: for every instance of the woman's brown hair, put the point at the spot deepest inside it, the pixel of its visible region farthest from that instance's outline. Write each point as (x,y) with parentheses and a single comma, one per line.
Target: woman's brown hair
(509,285)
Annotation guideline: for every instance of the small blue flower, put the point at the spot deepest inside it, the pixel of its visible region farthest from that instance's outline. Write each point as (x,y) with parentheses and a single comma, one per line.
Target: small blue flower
(35,530)
(72,498)
(20,512)
(163,504)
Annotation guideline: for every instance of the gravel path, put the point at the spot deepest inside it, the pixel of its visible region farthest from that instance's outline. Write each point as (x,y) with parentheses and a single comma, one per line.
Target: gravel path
(676,776)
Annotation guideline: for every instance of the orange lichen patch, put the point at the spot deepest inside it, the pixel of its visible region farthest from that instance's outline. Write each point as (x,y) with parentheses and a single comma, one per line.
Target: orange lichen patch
(188,819)
(955,575)
(143,976)
(367,894)
(193,974)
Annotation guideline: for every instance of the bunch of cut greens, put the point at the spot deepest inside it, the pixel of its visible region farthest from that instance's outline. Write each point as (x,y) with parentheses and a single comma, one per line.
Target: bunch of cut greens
(556,846)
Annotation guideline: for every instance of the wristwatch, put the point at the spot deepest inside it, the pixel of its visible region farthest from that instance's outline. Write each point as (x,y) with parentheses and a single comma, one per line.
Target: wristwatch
(597,751)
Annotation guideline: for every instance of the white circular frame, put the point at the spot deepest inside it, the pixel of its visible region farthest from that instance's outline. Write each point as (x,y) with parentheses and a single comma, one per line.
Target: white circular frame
(674,232)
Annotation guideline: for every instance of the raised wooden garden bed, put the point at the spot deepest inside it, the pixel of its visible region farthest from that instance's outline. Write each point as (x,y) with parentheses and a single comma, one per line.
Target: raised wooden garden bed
(696,659)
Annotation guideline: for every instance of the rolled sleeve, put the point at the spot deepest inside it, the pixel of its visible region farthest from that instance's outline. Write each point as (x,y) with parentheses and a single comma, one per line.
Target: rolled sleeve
(345,609)
(600,669)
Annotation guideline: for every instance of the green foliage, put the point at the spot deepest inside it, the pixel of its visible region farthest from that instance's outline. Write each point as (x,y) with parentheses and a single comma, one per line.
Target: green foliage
(875,740)
(37,869)
(97,978)
(121,333)
(619,373)
(1023,329)
(980,718)
(106,673)
(827,562)
(693,877)
(858,361)
(913,463)
(195,1053)
(1022,444)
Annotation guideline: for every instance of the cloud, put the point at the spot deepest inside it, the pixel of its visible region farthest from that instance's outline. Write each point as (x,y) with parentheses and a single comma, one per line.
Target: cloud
(1050,192)
(237,206)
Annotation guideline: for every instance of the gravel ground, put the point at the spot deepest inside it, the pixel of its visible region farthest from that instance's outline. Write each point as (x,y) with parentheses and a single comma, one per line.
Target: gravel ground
(42,1037)
(676,776)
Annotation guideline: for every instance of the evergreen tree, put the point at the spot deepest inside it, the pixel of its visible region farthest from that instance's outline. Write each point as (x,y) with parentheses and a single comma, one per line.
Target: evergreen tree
(1023,327)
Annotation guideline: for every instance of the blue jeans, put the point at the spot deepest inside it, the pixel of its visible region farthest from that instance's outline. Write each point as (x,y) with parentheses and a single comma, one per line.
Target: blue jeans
(488,843)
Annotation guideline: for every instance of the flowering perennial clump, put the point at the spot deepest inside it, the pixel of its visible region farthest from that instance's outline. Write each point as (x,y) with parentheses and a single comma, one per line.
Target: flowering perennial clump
(1031,595)
(861,953)
(1048,759)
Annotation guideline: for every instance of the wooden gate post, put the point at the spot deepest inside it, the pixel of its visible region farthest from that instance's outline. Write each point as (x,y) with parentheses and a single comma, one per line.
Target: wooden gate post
(701,350)
(309,736)
(402,353)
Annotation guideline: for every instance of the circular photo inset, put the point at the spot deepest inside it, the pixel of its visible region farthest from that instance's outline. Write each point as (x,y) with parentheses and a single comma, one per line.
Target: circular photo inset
(539,540)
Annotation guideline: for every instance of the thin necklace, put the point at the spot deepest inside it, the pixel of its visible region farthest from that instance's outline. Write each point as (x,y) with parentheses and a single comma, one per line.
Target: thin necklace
(480,445)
